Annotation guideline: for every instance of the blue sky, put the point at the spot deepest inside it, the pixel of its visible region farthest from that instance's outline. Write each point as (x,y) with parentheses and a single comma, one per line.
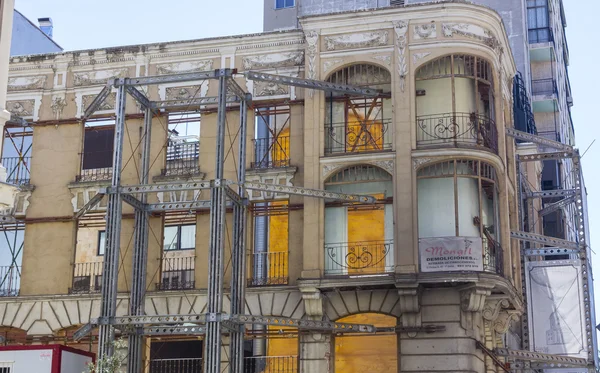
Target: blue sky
(79,24)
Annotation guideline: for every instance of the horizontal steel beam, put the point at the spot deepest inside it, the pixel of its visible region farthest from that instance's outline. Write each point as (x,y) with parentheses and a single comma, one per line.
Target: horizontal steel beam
(284,189)
(313,84)
(539,357)
(304,324)
(174,330)
(178,206)
(89,205)
(547,156)
(155,188)
(540,140)
(148,320)
(98,100)
(549,251)
(556,206)
(544,240)
(190,103)
(552,193)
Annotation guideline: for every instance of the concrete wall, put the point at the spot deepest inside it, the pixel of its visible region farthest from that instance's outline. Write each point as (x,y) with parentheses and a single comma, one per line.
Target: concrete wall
(27,38)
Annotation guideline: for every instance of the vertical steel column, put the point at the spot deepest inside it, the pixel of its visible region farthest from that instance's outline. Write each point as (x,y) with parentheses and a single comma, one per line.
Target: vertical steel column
(110,272)
(238,270)
(140,254)
(212,350)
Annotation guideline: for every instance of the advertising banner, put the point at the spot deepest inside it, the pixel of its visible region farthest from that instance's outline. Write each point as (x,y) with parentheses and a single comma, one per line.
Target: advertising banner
(447,254)
(555,307)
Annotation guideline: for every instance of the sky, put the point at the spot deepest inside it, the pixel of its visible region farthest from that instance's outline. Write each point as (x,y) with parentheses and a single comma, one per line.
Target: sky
(79,24)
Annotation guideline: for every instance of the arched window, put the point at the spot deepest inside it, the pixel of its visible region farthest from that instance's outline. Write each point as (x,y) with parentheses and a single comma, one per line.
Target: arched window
(455,103)
(359,124)
(458,201)
(359,237)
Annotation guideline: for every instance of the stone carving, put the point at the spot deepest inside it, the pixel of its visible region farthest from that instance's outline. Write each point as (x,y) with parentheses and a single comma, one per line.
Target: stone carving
(328,168)
(358,40)
(471,31)
(498,311)
(418,162)
(108,104)
(83,194)
(183,93)
(409,301)
(311,41)
(386,59)
(21,108)
(329,63)
(273,61)
(400,28)
(23,83)
(58,105)
(472,298)
(262,89)
(387,165)
(427,31)
(278,176)
(419,56)
(98,77)
(184,67)
(313,302)
(504,319)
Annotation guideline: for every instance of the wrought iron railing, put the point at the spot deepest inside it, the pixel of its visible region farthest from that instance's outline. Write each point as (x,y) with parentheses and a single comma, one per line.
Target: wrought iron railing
(10,281)
(177,273)
(271,153)
(189,365)
(493,256)
(182,158)
(95,166)
(457,129)
(18,169)
(543,87)
(271,364)
(358,137)
(359,258)
(87,278)
(269,268)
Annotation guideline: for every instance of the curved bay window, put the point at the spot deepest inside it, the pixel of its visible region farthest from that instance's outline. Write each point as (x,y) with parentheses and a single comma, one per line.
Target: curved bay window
(458,217)
(359,237)
(455,103)
(356,124)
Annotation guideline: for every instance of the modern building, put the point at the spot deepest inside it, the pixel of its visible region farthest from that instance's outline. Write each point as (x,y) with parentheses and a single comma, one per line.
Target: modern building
(411,106)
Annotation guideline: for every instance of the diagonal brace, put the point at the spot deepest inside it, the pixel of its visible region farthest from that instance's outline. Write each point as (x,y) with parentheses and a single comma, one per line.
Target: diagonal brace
(90,205)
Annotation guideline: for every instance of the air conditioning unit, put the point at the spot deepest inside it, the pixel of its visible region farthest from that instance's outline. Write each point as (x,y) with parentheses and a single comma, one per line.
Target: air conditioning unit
(396,2)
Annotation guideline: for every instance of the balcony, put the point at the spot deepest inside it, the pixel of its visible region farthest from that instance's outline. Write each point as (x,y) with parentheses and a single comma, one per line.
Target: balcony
(10,281)
(271,153)
(493,256)
(182,157)
(544,94)
(457,130)
(177,273)
(267,269)
(359,258)
(272,364)
(87,278)
(17,170)
(358,137)
(192,365)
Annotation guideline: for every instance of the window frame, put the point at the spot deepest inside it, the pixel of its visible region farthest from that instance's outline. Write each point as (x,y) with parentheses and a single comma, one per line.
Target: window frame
(178,237)
(284,4)
(99,249)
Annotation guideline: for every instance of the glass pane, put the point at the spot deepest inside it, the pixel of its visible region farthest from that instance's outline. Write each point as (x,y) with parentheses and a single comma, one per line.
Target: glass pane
(101,242)
(488,210)
(170,240)
(436,207)
(279,4)
(468,207)
(188,237)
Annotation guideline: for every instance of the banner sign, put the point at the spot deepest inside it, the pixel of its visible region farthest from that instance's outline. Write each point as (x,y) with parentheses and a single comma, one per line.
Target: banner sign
(556,309)
(447,254)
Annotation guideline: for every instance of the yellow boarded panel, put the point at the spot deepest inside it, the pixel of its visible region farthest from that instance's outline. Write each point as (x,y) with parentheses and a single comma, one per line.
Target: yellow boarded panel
(367,353)
(281,149)
(366,233)
(278,244)
(282,352)
(363,135)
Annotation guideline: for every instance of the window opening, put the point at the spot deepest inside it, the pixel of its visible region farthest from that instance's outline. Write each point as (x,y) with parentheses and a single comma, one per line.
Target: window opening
(272,137)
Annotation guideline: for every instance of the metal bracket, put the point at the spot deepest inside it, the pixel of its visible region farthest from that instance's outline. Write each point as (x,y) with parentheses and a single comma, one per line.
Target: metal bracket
(304,324)
(179,206)
(545,240)
(83,331)
(174,78)
(154,188)
(556,206)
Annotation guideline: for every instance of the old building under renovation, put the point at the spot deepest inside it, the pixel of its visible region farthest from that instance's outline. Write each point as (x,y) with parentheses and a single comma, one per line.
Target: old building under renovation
(366,191)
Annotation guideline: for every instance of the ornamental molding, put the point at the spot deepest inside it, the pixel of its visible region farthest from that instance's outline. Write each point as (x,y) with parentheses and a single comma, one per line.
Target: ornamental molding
(312,38)
(357,40)
(274,60)
(409,300)
(499,313)
(262,89)
(98,77)
(23,83)
(418,162)
(21,108)
(419,56)
(387,165)
(275,176)
(82,194)
(184,67)
(328,64)
(473,297)
(183,93)
(472,31)
(108,104)
(425,31)
(386,59)
(401,28)
(58,105)
(21,197)
(313,302)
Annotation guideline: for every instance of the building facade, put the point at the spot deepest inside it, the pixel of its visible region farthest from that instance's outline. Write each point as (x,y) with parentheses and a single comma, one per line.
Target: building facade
(431,263)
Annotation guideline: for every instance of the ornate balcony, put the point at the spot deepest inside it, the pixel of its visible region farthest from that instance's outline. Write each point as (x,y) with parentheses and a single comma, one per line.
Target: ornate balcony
(192,365)
(271,153)
(457,130)
(182,158)
(269,268)
(273,364)
(359,258)
(493,257)
(177,273)
(10,281)
(87,278)
(358,137)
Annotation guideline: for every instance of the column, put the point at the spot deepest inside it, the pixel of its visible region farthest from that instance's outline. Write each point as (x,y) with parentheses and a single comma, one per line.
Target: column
(315,354)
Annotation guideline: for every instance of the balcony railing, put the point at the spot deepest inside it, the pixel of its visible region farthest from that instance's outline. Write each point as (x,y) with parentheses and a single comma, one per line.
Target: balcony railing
(493,256)
(543,87)
(96,166)
(540,35)
(271,153)
(357,137)
(10,281)
(268,269)
(182,158)
(177,273)
(87,278)
(17,169)
(359,258)
(271,364)
(192,365)
(457,130)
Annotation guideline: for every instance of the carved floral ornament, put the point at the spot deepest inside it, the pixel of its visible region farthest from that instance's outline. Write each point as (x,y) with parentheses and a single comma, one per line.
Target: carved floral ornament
(184,67)
(274,60)
(474,32)
(98,77)
(23,83)
(357,40)
(401,28)
(21,108)
(312,38)
(499,312)
(426,31)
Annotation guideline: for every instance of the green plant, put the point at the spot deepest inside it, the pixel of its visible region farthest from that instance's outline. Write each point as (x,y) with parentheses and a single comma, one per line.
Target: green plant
(110,364)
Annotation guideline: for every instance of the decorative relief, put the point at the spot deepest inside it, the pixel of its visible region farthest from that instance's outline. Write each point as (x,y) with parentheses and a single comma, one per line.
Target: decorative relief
(471,31)
(273,61)
(427,31)
(262,89)
(58,105)
(183,93)
(98,77)
(386,59)
(108,104)
(387,165)
(418,162)
(21,108)
(273,177)
(358,40)
(312,37)
(400,28)
(498,311)
(23,83)
(184,67)
(329,63)
(329,168)
(83,194)
(419,56)
(409,301)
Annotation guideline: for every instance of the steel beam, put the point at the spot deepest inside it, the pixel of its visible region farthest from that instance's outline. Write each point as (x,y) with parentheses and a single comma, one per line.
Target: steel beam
(139,97)
(544,240)
(552,193)
(98,100)
(191,103)
(83,331)
(174,78)
(90,205)
(547,156)
(313,84)
(539,357)
(134,202)
(284,189)
(179,206)
(173,330)
(235,88)
(528,137)
(556,206)
(155,188)
(329,326)
(550,251)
